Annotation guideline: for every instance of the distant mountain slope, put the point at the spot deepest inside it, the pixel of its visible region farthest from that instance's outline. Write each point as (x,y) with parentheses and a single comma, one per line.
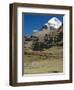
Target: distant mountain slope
(41,34)
(47,36)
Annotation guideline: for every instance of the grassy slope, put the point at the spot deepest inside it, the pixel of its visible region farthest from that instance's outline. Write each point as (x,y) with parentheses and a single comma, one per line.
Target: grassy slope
(35,64)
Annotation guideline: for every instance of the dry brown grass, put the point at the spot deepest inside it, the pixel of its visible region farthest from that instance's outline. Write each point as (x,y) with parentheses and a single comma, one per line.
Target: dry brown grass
(35,64)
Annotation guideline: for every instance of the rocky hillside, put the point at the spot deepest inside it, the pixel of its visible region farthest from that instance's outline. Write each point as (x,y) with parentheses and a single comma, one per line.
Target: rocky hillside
(45,38)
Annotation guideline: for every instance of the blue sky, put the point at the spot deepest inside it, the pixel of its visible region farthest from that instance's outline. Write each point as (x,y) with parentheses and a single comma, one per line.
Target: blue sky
(36,21)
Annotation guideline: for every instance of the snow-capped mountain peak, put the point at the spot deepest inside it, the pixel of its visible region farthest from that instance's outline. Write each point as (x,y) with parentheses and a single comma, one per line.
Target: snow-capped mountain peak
(55,23)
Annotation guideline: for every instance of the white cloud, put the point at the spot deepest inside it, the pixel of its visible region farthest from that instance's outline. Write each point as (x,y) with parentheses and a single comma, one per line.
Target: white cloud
(35,31)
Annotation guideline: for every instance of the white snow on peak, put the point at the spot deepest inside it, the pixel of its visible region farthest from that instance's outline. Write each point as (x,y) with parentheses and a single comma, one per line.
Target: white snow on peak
(55,23)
